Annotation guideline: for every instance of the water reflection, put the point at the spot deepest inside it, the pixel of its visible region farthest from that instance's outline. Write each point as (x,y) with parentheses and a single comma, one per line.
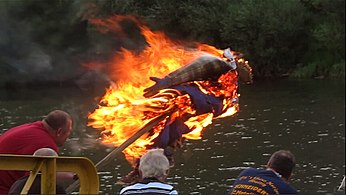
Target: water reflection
(306,117)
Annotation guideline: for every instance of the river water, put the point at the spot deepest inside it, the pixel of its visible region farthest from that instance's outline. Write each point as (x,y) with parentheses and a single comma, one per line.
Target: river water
(304,116)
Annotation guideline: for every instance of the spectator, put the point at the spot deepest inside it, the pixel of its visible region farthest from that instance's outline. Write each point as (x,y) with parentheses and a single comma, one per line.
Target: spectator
(25,139)
(153,169)
(35,188)
(272,180)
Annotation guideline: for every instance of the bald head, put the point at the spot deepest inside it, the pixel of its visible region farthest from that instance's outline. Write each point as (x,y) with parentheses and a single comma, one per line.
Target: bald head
(57,119)
(59,125)
(45,152)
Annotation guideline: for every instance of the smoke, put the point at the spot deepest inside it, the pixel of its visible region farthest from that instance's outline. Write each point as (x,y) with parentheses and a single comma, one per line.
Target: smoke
(44,41)
(52,42)
(18,53)
(49,40)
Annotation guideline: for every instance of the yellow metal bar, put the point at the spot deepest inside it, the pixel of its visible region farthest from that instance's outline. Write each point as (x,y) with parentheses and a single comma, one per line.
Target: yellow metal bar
(48,178)
(87,174)
(83,167)
(32,176)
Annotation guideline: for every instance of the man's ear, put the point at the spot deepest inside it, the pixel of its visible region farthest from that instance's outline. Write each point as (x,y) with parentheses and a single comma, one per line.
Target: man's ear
(59,131)
(268,165)
(166,175)
(289,177)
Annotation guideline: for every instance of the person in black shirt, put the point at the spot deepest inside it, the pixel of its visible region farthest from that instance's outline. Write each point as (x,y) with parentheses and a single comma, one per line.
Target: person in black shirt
(35,188)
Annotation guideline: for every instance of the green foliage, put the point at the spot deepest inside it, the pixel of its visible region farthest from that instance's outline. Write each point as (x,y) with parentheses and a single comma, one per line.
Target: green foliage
(183,19)
(268,32)
(305,71)
(338,69)
(274,35)
(327,37)
(304,38)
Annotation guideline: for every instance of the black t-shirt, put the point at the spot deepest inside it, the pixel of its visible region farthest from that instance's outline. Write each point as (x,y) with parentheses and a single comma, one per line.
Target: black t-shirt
(17,187)
(259,181)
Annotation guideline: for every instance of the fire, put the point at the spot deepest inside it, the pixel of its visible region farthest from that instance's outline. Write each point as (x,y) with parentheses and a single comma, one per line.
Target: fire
(123,110)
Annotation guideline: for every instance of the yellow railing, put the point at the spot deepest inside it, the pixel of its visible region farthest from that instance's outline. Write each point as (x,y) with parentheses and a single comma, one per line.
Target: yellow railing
(48,166)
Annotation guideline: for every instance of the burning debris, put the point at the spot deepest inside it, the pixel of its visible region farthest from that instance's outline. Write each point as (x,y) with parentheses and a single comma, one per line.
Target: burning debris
(198,85)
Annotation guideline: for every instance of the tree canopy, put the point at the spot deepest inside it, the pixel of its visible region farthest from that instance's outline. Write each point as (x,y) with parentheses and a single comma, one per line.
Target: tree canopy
(299,38)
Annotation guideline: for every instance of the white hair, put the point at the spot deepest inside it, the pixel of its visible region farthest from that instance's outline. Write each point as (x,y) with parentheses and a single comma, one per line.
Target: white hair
(45,152)
(154,164)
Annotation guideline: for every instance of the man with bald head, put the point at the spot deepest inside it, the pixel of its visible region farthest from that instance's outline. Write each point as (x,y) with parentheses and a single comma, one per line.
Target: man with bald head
(25,139)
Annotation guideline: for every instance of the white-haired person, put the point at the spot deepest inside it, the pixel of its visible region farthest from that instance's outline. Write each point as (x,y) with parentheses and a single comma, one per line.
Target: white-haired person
(35,188)
(153,169)
(51,132)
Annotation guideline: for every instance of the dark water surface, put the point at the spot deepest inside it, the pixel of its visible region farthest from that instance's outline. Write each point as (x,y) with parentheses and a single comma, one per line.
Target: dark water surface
(306,117)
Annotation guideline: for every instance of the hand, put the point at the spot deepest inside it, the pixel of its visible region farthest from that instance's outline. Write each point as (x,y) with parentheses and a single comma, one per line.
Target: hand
(75,177)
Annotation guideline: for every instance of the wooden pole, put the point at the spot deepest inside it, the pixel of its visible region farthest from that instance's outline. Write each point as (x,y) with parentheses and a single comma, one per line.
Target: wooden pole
(107,159)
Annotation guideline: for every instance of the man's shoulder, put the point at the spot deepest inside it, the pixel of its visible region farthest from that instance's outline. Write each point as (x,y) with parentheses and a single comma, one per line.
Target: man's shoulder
(26,126)
(250,171)
(11,136)
(286,188)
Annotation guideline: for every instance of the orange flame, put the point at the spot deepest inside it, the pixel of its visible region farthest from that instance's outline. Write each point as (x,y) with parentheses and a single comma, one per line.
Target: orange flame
(123,110)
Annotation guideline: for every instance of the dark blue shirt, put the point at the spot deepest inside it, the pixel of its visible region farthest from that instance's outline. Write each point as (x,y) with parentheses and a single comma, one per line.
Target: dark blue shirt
(259,181)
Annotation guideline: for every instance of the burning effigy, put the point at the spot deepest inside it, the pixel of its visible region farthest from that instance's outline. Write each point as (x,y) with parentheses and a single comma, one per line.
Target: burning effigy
(179,90)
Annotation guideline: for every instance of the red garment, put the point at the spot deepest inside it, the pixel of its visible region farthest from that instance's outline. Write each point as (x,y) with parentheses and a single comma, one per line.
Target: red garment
(23,140)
